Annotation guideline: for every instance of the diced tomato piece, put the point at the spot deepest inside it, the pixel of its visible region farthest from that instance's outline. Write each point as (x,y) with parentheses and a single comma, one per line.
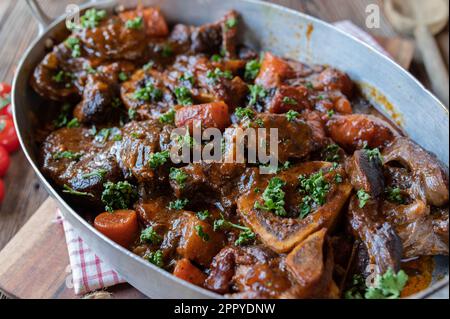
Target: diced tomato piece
(290,98)
(273,71)
(354,131)
(120,226)
(5,100)
(211,115)
(185,270)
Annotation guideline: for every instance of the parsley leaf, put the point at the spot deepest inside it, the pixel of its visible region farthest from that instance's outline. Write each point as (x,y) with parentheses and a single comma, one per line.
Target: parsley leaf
(148,93)
(156,258)
(201,233)
(273,197)
(184,96)
(168,117)
(315,188)
(244,114)
(178,175)
(257,92)
(252,69)
(178,204)
(158,159)
(74,44)
(67,154)
(387,286)
(135,23)
(92,17)
(214,76)
(245,236)
(62,118)
(231,23)
(203,215)
(331,153)
(289,101)
(363,198)
(149,235)
(395,195)
(291,115)
(374,155)
(120,195)
(100,173)
(71,191)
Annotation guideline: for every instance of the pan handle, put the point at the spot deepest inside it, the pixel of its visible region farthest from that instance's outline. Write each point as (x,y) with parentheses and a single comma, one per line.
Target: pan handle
(42,18)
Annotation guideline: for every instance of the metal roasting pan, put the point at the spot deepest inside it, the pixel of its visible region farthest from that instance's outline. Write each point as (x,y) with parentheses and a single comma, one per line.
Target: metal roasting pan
(267,27)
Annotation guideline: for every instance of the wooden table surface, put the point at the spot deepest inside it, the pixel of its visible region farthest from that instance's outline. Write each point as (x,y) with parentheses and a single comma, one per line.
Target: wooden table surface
(17,29)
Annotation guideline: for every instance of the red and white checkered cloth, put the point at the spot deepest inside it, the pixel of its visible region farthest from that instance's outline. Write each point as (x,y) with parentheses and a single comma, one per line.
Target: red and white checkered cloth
(89,273)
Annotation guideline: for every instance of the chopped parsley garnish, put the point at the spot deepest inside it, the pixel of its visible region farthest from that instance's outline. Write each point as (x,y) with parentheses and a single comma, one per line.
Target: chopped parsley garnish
(289,101)
(216,58)
(158,159)
(309,85)
(331,153)
(315,188)
(120,195)
(291,115)
(244,114)
(245,236)
(395,195)
(273,197)
(178,175)
(149,235)
(135,23)
(123,76)
(92,17)
(62,118)
(132,113)
(387,286)
(185,139)
(73,123)
(257,92)
(363,198)
(215,75)
(167,51)
(148,65)
(103,135)
(71,191)
(330,113)
(338,178)
(252,69)
(148,93)
(187,77)
(156,258)
(259,122)
(231,23)
(168,117)
(203,215)
(100,173)
(178,204)
(374,154)
(201,233)
(184,96)
(67,154)
(62,77)
(74,44)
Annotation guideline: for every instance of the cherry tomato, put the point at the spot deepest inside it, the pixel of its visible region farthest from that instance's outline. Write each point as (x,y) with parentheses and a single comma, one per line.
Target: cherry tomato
(4,161)
(8,135)
(2,191)
(5,100)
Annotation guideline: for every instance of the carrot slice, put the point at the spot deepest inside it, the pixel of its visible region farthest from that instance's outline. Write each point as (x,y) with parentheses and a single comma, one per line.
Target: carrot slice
(211,115)
(273,71)
(185,270)
(120,226)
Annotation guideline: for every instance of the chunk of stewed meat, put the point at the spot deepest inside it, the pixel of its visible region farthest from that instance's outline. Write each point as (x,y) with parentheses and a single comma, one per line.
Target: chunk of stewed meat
(431,181)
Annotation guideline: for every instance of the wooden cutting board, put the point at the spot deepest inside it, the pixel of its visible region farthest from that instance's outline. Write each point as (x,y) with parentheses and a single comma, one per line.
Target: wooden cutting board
(35,263)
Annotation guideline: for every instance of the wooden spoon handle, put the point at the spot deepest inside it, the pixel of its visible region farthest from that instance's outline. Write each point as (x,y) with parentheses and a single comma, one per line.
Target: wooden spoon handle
(436,69)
